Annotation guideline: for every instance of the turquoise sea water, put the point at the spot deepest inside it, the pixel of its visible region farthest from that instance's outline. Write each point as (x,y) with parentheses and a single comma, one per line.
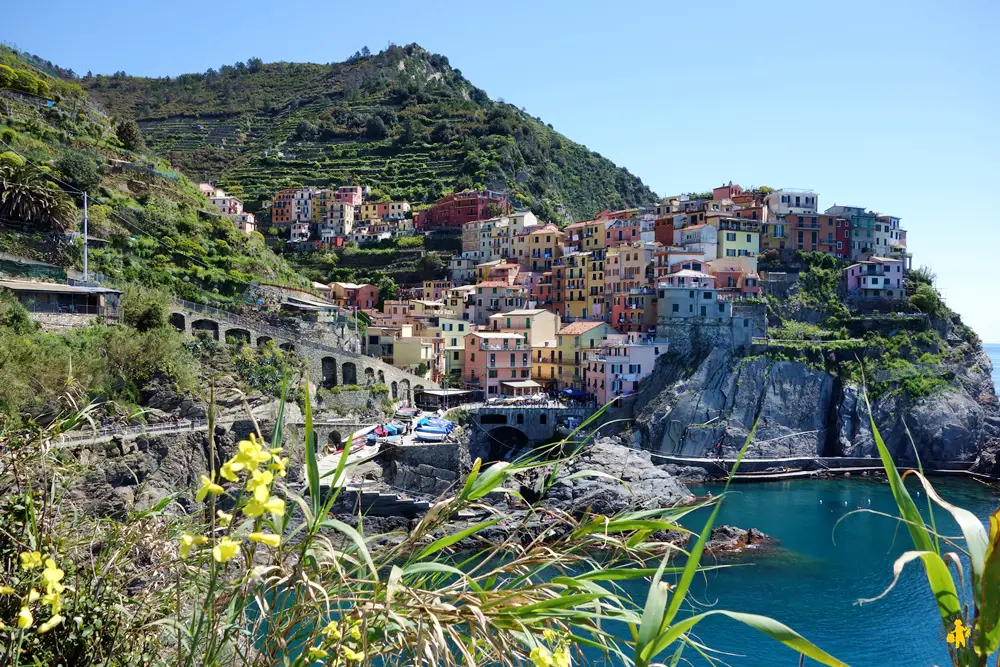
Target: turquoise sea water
(813,583)
(994,352)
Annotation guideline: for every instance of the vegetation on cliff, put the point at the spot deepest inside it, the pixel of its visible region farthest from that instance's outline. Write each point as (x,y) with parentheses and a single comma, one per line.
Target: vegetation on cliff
(148,223)
(403,121)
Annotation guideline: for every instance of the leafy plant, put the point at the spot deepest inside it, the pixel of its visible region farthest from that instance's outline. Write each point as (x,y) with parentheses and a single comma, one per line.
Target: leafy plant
(971,626)
(27,195)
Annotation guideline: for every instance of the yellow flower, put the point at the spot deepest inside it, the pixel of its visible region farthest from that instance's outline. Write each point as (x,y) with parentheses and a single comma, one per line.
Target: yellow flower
(549,635)
(265,538)
(260,485)
(6,590)
(332,631)
(254,508)
(355,632)
(225,550)
(49,624)
(351,655)
(30,560)
(229,470)
(959,635)
(51,575)
(33,595)
(280,466)
(561,657)
(53,601)
(224,518)
(316,653)
(207,487)
(188,541)
(541,657)
(251,454)
(24,618)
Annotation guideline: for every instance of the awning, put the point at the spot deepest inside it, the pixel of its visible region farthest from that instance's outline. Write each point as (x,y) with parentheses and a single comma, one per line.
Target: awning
(444,392)
(574,392)
(522,384)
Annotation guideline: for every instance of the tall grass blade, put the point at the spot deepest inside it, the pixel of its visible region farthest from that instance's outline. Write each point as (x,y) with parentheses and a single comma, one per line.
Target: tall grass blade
(312,464)
(989,593)
(453,538)
(942,585)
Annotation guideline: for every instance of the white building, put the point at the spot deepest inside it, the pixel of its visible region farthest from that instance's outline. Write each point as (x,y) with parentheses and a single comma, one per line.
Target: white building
(782,202)
(703,239)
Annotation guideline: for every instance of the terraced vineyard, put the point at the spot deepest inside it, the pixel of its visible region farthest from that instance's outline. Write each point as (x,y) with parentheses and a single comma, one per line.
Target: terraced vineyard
(403,121)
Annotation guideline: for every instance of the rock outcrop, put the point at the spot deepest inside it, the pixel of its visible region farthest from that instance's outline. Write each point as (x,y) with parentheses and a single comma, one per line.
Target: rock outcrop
(708,410)
(730,540)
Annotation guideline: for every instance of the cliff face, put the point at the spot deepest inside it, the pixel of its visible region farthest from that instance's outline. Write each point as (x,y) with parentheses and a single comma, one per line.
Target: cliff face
(708,409)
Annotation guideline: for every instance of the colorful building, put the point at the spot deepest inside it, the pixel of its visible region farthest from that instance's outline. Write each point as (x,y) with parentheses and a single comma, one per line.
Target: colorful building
(537,248)
(435,290)
(573,342)
(738,238)
(353,295)
(621,362)
(633,310)
(459,208)
(535,325)
(569,285)
(493,359)
(876,278)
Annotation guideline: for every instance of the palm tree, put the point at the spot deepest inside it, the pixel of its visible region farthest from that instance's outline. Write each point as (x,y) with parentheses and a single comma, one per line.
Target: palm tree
(27,195)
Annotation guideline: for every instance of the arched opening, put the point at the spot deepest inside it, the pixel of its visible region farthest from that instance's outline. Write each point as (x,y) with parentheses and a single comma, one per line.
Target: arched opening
(381,377)
(264,340)
(178,321)
(404,391)
(369,376)
(237,337)
(418,387)
(287,347)
(506,443)
(329,372)
(394,388)
(335,439)
(208,326)
(349,373)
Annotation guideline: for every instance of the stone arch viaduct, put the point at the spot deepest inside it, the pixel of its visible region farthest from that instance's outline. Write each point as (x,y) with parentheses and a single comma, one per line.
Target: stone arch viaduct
(328,366)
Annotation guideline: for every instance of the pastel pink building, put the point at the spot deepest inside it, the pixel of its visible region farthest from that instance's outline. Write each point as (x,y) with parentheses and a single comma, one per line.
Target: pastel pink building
(876,277)
(621,363)
(349,194)
(498,363)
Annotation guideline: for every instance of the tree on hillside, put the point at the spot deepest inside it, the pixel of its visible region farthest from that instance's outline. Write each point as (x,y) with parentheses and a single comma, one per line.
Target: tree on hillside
(375,128)
(80,170)
(130,135)
(27,195)
(387,290)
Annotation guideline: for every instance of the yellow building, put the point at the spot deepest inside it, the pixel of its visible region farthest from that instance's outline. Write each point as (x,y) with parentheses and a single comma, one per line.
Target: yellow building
(569,279)
(738,238)
(321,200)
(536,248)
(454,362)
(535,324)
(412,353)
(573,342)
(544,366)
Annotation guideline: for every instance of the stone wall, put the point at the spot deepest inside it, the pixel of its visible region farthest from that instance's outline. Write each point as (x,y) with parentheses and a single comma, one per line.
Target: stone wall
(446,455)
(62,321)
(423,478)
(690,334)
(360,399)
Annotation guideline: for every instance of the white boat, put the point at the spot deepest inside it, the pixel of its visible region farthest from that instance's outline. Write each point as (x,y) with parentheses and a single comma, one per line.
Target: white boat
(430,436)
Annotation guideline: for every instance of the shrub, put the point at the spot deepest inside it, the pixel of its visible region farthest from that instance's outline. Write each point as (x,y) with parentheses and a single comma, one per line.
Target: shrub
(143,308)
(80,169)
(130,135)
(926,300)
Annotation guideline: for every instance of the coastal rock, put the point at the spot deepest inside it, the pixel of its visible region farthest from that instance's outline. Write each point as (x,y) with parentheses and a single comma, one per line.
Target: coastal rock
(707,409)
(642,483)
(729,540)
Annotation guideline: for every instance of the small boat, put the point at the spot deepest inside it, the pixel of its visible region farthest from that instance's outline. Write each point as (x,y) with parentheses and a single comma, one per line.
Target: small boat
(358,440)
(431,436)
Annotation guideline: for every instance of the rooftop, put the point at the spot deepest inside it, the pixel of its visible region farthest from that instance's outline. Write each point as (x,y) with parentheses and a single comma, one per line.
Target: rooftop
(583,326)
(493,283)
(32,286)
(484,334)
(525,311)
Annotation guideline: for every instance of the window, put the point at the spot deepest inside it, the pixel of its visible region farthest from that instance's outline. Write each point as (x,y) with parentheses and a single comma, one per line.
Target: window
(491,373)
(472,357)
(706,295)
(520,418)
(730,252)
(722,307)
(676,307)
(749,239)
(543,418)
(703,311)
(730,236)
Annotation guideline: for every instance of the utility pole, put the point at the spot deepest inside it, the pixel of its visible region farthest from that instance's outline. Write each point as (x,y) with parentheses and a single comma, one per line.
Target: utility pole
(85,274)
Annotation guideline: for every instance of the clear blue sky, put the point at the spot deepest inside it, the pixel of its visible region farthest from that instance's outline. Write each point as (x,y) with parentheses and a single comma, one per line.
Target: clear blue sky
(886,104)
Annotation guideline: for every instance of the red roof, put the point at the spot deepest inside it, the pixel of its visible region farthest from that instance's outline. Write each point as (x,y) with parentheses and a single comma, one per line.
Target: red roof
(493,283)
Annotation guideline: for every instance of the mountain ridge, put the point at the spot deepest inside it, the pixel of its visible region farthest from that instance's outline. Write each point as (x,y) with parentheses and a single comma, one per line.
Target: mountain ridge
(403,121)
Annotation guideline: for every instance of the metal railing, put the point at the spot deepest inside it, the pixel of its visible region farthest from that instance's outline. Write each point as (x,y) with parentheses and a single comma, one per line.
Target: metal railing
(107,431)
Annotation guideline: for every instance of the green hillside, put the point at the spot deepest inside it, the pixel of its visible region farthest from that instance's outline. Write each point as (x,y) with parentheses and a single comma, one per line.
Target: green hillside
(403,121)
(149,222)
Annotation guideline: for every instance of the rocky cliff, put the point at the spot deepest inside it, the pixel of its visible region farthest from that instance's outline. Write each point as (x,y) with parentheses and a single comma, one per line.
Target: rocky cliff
(814,406)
